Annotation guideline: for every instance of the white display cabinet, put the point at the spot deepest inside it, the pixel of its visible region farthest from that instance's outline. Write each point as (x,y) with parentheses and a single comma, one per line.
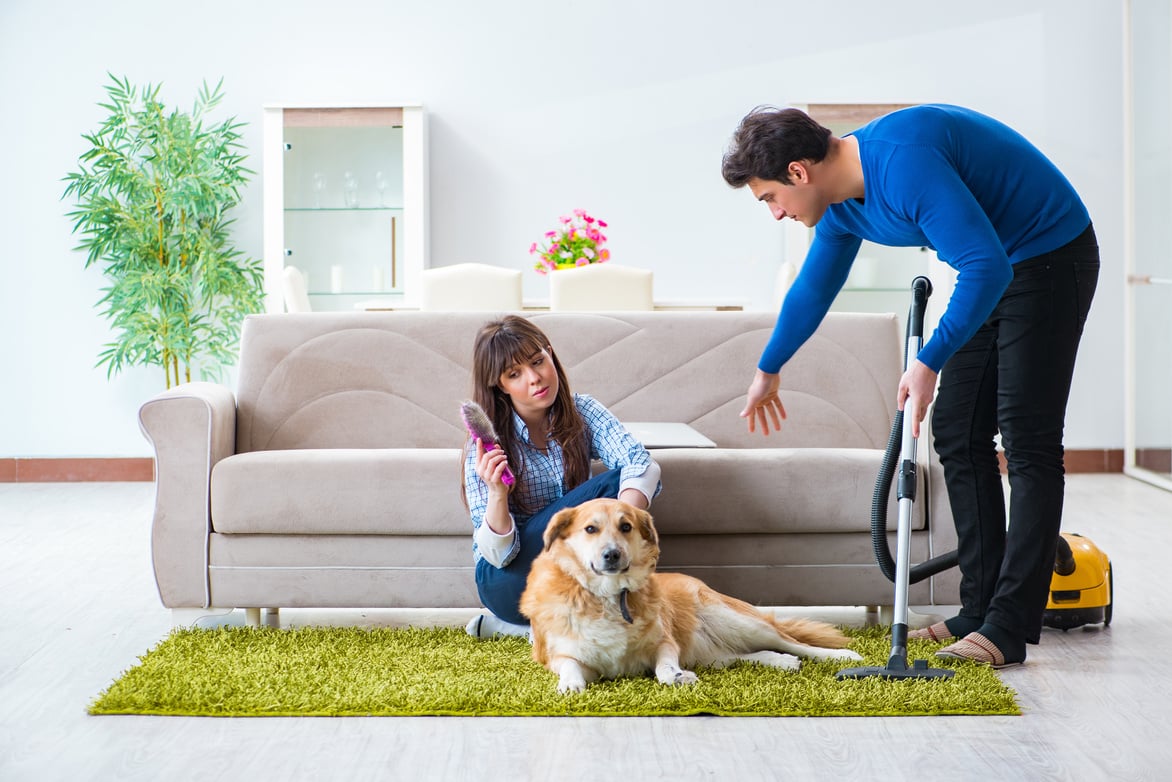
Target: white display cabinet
(345,202)
(881,277)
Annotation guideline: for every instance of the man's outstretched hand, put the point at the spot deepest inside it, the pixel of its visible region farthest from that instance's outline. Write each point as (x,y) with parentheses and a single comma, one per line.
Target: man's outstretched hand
(763,406)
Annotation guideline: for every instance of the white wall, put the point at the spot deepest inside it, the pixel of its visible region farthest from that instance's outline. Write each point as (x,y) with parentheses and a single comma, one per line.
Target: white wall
(623,108)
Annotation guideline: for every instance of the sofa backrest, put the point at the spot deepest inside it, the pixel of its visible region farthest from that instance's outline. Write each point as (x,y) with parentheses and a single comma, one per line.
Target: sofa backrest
(396,379)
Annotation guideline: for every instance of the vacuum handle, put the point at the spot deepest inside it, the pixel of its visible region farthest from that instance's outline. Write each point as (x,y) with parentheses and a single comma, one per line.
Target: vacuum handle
(921,290)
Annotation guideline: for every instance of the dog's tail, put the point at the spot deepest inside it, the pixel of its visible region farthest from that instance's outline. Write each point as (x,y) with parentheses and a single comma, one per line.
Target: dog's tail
(811,632)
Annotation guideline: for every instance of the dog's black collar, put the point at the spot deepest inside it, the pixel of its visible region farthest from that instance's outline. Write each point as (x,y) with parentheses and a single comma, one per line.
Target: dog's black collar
(623,607)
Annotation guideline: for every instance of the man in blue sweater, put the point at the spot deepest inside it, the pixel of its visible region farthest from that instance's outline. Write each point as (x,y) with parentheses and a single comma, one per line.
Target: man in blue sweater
(1006,219)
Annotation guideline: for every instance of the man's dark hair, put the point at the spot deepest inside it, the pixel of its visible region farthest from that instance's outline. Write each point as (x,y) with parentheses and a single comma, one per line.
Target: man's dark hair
(768,140)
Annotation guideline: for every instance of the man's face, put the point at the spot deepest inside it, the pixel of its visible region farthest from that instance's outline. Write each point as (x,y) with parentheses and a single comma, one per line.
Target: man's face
(799,201)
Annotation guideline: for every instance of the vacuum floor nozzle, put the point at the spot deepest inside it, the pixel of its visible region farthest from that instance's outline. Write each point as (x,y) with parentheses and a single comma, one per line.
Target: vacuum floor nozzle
(896,669)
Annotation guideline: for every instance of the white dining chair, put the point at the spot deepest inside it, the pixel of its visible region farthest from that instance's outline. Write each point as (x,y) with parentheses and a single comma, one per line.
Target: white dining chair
(601,287)
(470,287)
(295,290)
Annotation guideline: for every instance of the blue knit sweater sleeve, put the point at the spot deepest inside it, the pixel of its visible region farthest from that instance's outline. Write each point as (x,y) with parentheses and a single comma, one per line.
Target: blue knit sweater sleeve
(823,274)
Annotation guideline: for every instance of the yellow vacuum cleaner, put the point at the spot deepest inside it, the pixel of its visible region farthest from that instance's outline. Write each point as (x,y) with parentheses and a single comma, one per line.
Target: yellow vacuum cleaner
(1082,587)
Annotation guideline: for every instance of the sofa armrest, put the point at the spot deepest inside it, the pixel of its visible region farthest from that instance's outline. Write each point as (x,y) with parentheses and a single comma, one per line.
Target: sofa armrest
(191,427)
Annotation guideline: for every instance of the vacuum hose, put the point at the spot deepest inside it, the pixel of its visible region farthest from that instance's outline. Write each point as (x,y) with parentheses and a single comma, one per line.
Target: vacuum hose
(921,290)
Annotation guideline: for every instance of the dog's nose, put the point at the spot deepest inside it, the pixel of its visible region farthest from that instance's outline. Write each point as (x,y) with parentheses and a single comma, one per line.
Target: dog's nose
(611,558)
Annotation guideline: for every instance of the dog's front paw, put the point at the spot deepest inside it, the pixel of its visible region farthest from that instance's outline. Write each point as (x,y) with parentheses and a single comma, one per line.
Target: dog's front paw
(569,684)
(572,677)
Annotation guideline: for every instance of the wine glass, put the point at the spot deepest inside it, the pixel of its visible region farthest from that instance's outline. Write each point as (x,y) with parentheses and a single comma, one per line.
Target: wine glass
(319,187)
(350,189)
(380,184)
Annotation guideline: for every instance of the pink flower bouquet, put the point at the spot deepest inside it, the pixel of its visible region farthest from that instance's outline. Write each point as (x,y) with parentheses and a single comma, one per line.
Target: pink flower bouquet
(578,242)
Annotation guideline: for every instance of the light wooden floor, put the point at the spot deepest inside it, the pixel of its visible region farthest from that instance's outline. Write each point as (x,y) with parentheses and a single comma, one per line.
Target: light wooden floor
(78,605)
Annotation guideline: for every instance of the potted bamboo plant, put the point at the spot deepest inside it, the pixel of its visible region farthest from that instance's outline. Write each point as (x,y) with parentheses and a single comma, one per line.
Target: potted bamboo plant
(153,195)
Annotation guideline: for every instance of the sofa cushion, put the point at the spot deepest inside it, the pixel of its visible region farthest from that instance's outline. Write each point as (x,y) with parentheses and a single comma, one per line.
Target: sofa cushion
(416,491)
(773,490)
(345,491)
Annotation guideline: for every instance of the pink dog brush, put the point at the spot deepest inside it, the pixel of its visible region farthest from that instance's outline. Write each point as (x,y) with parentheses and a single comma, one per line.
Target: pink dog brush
(480,428)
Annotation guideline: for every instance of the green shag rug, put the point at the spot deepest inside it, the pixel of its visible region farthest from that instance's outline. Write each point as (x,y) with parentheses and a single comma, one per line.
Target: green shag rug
(347,671)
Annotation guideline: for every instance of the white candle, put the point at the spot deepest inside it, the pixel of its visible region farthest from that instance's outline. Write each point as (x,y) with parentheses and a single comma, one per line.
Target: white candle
(336,278)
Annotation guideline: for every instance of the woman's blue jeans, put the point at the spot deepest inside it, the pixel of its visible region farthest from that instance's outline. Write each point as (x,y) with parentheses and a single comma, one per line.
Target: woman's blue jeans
(1014,376)
(500,588)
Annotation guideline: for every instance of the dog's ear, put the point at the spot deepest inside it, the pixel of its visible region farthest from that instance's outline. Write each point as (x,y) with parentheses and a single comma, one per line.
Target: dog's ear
(557,526)
(645,526)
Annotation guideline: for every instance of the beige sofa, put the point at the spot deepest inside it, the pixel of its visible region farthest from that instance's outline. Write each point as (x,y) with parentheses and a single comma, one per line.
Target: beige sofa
(331,478)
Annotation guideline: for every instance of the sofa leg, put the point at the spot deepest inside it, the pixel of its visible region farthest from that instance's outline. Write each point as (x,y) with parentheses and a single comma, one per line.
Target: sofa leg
(885,615)
(252,617)
(916,620)
(187,617)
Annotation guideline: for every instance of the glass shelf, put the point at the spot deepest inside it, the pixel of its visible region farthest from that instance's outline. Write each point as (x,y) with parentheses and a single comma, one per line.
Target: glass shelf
(343,209)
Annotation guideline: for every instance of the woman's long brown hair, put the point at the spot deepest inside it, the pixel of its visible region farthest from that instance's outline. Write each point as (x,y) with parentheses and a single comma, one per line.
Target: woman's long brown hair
(514,340)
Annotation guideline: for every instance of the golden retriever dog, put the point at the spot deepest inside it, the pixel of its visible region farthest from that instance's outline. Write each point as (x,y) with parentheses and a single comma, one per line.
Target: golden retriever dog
(600,611)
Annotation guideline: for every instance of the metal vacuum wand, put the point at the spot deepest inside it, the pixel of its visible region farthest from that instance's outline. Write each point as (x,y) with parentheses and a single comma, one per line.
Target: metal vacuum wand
(897,664)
